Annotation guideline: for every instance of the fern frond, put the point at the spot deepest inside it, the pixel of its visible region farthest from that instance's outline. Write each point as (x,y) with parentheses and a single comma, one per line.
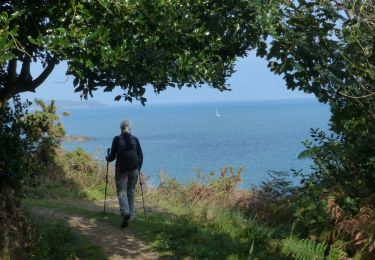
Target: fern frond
(41,103)
(303,249)
(308,153)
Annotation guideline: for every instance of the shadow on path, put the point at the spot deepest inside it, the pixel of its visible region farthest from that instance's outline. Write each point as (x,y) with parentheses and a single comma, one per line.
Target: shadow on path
(115,243)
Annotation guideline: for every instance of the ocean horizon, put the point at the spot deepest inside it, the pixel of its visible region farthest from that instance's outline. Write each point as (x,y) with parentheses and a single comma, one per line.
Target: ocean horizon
(182,139)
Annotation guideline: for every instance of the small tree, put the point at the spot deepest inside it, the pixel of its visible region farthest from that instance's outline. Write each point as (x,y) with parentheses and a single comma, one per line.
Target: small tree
(14,147)
(328,48)
(44,130)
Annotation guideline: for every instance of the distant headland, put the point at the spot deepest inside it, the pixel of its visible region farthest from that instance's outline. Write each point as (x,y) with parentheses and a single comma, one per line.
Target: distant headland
(65,104)
(73,104)
(77,138)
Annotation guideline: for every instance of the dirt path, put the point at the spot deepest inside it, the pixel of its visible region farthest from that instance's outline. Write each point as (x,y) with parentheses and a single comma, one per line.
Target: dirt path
(115,242)
(112,206)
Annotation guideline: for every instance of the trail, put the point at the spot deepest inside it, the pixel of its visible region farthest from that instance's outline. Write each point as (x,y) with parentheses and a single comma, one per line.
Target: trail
(116,243)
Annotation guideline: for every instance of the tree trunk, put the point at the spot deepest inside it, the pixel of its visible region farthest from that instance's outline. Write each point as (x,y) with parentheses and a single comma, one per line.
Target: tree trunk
(2,105)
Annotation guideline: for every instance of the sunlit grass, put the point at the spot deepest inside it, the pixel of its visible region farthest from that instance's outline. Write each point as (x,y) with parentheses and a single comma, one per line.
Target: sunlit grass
(188,231)
(59,241)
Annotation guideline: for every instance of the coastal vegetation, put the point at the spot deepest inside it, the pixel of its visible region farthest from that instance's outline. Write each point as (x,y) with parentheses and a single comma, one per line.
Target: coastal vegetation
(210,216)
(321,47)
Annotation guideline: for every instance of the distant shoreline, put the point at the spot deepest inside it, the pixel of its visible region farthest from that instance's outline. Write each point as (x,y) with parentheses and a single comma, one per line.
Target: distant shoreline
(87,104)
(278,100)
(72,104)
(77,138)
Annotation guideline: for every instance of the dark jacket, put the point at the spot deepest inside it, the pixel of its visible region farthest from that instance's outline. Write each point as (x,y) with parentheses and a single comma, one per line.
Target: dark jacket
(127,151)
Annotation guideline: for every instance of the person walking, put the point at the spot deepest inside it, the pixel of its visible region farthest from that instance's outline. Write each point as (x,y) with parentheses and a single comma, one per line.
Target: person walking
(127,151)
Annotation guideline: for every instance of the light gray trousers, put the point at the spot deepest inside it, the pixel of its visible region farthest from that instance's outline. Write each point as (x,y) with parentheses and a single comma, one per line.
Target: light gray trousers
(125,185)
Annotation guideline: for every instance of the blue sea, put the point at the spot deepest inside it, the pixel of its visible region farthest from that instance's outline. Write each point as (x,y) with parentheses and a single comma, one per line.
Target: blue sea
(181,139)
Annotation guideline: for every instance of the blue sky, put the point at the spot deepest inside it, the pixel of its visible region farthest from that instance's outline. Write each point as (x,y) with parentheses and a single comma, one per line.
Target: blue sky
(251,81)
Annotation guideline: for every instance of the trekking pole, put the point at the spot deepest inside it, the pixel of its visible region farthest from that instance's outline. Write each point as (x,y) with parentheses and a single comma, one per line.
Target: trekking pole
(143,200)
(106,182)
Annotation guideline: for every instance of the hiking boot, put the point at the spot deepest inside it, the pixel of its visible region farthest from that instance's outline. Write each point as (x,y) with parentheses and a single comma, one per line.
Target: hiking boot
(125,221)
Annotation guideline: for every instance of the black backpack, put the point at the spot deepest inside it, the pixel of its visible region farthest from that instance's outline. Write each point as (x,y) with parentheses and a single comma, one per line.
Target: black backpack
(127,153)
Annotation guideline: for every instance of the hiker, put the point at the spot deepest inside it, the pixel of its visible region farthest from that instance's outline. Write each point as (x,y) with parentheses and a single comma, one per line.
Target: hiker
(127,151)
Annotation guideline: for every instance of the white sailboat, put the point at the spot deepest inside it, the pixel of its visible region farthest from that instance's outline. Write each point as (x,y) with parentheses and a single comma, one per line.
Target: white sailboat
(217,113)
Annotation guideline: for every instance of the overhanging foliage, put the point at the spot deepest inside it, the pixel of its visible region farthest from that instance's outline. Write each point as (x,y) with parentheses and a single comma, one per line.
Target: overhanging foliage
(127,44)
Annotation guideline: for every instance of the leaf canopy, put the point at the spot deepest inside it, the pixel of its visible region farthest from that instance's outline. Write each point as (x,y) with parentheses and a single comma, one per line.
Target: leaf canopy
(129,44)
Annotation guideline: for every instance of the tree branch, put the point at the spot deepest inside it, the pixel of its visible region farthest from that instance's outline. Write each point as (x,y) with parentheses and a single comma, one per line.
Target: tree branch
(44,75)
(6,91)
(27,84)
(12,72)
(25,70)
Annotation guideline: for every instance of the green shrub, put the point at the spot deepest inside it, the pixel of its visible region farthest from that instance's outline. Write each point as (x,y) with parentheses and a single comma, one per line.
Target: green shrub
(271,202)
(75,174)
(15,149)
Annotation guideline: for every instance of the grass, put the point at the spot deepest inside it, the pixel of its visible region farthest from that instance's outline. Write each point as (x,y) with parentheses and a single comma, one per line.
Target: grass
(58,241)
(204,231)
(189,232)
(187,239)
(67,188)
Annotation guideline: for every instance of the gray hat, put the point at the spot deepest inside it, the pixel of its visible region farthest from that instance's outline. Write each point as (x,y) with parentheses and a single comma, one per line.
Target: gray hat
(126,125)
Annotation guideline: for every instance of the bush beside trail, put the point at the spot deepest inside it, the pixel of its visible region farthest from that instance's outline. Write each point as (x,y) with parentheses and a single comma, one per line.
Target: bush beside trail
(74,174)
(13,226)
(33,165)
(264,221)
